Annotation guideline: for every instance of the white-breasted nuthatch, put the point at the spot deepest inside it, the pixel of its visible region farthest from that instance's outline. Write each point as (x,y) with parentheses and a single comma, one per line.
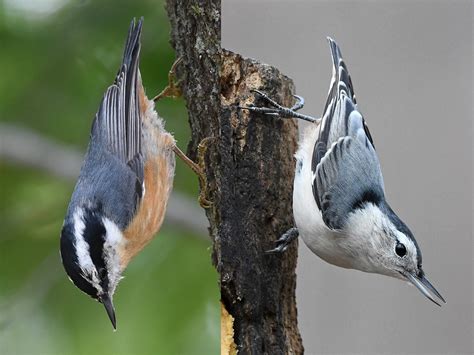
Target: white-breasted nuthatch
(120,198)
(339,203)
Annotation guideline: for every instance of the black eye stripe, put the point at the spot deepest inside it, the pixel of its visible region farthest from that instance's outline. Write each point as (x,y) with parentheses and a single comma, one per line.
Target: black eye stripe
(94,235)
(71,263)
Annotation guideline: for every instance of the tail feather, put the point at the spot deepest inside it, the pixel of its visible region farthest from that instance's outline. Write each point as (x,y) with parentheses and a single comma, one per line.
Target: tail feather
(340,103)
(119,113)
(341,77)
(130,60)
(132,46)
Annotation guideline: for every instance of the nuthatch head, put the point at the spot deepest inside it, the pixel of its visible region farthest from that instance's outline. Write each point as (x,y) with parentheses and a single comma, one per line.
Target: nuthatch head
(120,198)
(381,243)
(90,255)
(349,192)
(339,201)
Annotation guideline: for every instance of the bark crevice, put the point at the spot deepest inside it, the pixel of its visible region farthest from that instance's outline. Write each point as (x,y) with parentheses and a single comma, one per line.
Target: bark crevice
(249,168)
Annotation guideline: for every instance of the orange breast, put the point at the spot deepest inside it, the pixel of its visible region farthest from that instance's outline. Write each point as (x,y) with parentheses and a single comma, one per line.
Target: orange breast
(159,172)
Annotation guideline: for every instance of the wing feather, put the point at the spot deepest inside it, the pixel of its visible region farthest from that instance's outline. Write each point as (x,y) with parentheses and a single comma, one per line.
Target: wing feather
(345,166)
(340,103)
(117,125)
(119,117)
(348,176)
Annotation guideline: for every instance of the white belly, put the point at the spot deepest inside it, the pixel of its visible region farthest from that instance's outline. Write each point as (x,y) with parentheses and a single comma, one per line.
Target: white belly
(320,239)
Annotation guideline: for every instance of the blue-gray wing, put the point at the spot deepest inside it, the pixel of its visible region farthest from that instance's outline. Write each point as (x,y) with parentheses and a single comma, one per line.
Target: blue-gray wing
(347,177)
(112,176)
(341,102)
(108,185)
(117,128)
(118,123)
(346,170)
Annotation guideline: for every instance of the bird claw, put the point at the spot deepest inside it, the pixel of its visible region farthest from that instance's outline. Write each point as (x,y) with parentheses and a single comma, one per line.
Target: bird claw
(201,152)
(284,241)
(278,110)
(172,89)
(277,250)
(199,169)
(204,203)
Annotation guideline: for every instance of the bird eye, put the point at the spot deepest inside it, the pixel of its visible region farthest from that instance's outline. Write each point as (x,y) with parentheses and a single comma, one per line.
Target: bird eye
(400,249)
(102,273)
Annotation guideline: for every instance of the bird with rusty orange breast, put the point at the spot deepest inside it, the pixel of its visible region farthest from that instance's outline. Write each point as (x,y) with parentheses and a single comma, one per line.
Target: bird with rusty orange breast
(120,198)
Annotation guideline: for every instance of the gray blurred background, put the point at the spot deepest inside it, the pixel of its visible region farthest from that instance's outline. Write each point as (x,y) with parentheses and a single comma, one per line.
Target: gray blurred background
(411,65)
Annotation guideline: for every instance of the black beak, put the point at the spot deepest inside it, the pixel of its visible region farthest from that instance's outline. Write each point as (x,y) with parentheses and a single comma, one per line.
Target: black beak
(425,287)
(109,307)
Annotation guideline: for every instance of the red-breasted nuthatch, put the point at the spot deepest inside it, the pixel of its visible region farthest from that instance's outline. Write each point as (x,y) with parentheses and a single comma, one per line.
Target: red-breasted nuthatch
(339,201)
(120,198)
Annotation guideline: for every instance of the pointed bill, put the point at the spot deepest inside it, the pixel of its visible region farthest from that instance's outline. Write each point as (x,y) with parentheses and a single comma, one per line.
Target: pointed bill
(109,307)
(426,288)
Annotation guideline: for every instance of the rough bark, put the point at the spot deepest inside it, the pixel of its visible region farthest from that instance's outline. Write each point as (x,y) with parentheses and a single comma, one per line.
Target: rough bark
(249,168)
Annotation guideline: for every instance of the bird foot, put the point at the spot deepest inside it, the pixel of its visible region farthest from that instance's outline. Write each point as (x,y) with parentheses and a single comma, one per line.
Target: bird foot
(278,110)
(172,89)
(201,157)
(199,169)
(284,241)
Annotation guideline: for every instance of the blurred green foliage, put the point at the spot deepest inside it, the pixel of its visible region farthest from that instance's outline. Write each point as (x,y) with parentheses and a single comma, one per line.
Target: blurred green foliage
(56,67)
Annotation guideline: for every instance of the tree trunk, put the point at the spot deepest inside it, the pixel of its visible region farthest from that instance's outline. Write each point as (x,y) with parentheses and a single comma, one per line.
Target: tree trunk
(248,163)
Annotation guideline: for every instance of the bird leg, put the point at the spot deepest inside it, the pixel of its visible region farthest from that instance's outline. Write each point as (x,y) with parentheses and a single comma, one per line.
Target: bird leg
(194,167)
(171,90)
(198,169)
(202,150)
(279,111)
(285,240)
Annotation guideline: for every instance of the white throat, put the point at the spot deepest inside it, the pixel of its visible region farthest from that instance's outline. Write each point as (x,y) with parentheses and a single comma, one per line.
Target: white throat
(114,242)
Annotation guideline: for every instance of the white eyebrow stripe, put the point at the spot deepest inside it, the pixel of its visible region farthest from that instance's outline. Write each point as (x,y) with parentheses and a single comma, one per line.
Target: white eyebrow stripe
(402,238)
(89,271)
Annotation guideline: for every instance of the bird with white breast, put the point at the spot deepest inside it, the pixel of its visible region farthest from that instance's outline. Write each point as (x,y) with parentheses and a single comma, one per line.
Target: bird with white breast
(339,203)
